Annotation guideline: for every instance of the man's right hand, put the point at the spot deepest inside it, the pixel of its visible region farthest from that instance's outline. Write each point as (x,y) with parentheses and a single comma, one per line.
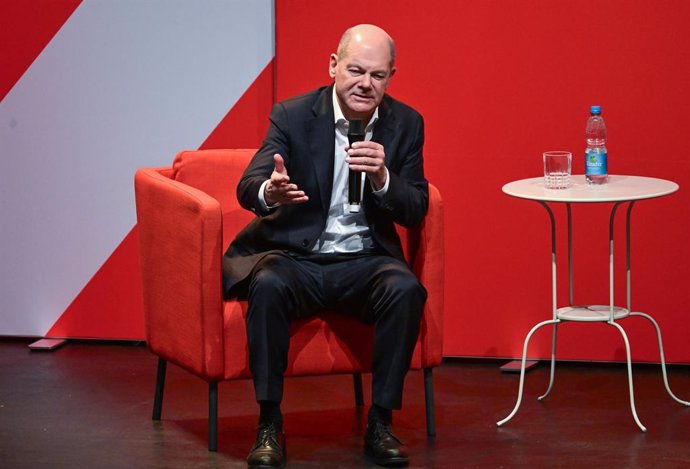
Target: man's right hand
(279,190)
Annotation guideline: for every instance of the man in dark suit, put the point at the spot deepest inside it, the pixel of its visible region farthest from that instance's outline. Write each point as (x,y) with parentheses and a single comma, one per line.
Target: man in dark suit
(305,250)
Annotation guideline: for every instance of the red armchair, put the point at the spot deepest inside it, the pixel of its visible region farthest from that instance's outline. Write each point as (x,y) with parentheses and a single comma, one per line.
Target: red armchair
(187,216)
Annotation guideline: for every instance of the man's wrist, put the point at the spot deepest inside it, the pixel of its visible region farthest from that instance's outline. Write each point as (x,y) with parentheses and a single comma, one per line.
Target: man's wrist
(266,202)
(268,193)
(384,187)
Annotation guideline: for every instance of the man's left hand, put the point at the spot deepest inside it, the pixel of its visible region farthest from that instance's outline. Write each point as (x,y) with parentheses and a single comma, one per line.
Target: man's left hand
(369,157)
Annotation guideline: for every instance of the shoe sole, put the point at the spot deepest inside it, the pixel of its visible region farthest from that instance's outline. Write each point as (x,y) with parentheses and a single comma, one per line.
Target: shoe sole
(388,462)
(265,466)
(268,466)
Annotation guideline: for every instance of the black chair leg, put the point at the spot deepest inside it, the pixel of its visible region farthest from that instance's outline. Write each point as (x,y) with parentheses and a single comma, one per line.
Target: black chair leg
(429,401)
(160,387)
(359,396)
(213,416)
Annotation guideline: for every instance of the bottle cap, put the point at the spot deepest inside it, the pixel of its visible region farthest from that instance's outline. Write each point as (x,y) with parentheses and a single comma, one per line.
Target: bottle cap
(595,110)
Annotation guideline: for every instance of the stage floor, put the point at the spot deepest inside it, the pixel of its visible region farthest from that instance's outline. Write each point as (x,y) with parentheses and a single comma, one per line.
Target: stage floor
(88,405)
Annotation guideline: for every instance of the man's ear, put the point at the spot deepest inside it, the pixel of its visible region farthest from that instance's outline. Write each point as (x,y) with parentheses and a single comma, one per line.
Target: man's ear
(390,76)
(332,63)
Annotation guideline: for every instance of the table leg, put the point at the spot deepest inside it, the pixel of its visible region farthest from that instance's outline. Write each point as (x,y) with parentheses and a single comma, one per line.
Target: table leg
(522,369)
(630,379)
(554,292)
(644,315)
(553,363)
(661,355)
(554,302)
(570,253)
(611,264)
(627,257)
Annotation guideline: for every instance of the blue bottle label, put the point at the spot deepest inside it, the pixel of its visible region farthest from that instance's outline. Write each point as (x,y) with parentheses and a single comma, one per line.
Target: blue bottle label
(595,163)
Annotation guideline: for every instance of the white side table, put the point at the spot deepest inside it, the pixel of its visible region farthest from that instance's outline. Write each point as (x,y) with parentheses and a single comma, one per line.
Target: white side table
(619,190)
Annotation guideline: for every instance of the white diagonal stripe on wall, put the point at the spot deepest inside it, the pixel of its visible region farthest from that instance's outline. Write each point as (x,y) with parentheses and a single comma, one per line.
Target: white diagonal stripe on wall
(122,85)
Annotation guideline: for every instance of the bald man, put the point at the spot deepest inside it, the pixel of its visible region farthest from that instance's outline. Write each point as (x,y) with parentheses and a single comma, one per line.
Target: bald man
(306,250)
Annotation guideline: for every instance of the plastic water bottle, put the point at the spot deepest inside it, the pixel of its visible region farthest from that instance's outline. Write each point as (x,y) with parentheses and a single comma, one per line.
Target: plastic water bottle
(596,155)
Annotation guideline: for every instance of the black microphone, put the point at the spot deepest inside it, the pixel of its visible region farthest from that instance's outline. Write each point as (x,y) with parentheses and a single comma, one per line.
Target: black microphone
(355,133)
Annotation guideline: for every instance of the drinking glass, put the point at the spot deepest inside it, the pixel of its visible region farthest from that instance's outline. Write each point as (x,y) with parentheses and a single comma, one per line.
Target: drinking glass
(557,168)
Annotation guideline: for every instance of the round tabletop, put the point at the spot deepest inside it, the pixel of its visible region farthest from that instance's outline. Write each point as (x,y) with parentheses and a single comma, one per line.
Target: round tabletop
(617,189)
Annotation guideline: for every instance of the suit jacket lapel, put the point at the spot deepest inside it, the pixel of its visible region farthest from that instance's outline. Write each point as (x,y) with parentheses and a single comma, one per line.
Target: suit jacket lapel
(321,134)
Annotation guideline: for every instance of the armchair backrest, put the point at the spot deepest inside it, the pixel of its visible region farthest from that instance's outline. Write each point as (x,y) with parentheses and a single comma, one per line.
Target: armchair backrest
(217,172)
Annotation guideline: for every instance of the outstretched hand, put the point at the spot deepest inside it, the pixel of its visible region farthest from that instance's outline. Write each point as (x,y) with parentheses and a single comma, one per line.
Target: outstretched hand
(279,189)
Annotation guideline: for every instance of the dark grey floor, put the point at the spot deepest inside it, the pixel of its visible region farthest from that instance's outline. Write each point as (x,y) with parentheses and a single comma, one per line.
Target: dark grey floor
(88,405)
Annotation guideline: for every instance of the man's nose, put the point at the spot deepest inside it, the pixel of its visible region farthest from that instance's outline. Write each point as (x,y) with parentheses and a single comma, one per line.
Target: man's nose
(365,82)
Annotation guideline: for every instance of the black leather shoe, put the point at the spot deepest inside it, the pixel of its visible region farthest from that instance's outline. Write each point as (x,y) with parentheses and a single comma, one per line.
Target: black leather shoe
(382,446)
(269,448)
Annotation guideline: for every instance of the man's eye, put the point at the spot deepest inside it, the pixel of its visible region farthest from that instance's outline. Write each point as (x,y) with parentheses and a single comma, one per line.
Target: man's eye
(355,72)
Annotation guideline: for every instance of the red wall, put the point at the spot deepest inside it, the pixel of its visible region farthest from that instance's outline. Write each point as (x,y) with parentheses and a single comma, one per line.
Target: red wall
(25,29)
(498,83)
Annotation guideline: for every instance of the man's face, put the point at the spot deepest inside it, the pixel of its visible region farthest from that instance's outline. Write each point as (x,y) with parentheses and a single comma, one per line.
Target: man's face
(361,78)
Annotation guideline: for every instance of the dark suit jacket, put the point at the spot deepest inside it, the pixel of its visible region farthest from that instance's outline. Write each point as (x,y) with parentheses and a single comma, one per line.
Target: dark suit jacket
(302,131)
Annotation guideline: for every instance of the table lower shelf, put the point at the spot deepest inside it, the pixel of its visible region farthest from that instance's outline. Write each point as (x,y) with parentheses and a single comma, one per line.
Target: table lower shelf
(590,313)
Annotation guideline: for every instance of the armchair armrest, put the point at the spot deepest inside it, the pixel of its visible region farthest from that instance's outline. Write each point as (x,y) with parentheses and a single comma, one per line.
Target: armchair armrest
(426,248)
(180,231)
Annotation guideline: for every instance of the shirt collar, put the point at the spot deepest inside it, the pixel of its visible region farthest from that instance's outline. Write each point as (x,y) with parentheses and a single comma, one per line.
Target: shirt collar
(340,117)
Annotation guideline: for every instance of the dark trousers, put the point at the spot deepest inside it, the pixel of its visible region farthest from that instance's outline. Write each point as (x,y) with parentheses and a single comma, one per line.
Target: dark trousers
(379,289)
